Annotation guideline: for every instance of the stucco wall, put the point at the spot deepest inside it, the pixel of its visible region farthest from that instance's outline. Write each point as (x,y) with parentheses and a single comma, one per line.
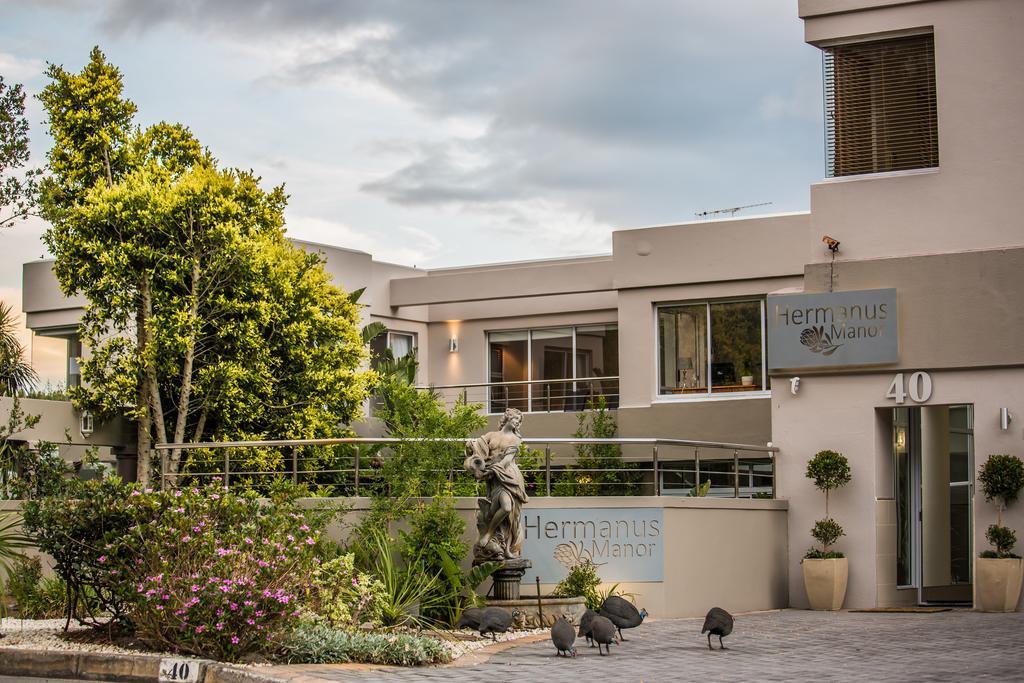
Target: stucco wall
(973,199)
(955,310)
(847,413)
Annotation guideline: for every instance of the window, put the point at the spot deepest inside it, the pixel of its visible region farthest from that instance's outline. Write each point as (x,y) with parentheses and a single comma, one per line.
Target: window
(880,106)
(711,347)
(541,370)
(400,344)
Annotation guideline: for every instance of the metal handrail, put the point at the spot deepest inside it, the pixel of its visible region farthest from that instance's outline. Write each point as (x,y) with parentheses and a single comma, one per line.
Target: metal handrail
(515,382)
(547,442)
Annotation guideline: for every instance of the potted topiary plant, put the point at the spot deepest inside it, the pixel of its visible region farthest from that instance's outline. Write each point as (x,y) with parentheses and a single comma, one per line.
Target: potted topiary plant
(825,570)
(999,571)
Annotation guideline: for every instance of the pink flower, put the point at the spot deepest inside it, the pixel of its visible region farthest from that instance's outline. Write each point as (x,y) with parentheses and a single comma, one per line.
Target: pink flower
(102,558)
(200,628)
(309,540)
(234,640)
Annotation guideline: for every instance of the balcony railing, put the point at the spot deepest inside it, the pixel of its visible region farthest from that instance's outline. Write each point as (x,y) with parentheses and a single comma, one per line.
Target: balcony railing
(615,466)
(532,396)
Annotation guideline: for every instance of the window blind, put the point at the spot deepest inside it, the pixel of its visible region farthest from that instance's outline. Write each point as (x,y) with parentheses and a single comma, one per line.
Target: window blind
(880,106)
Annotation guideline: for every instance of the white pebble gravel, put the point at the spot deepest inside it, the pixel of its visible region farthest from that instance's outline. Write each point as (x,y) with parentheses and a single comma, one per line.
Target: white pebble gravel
(46,634)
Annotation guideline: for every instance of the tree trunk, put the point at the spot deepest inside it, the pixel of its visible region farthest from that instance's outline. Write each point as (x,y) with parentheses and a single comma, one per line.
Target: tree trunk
(144,422)
(186,373)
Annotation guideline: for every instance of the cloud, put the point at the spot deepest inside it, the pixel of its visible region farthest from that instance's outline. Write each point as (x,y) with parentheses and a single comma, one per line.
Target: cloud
(418,248)
(628,113)
(18,69)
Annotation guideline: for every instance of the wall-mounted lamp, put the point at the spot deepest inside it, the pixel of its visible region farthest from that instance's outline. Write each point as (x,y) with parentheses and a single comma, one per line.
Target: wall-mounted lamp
(453,345)
(794,385)
(85,424)
(901,438)
(1005,418)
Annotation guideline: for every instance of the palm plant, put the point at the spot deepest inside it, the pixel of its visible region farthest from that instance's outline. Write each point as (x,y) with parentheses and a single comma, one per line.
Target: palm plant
(11,541)
(15,374)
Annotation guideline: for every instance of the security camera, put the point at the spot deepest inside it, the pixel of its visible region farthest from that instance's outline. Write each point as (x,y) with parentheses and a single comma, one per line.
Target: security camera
(794,385)
(831,243)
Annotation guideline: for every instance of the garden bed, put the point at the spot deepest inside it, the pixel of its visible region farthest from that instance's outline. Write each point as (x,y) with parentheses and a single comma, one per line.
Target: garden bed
(48,634)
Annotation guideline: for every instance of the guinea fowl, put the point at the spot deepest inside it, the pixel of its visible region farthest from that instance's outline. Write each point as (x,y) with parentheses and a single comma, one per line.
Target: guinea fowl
(622,613)
(718,622)
(563,636)
(585,623)
(470,618)
(603,632)
(495,620)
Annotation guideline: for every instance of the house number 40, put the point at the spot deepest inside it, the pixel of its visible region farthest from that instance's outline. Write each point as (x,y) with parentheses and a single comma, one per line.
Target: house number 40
(918,387)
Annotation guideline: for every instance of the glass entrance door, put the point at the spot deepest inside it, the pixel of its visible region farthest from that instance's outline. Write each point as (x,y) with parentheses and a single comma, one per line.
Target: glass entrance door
(933,465)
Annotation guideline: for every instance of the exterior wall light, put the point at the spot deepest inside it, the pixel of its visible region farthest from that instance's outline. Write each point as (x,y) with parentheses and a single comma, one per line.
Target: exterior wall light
(794,385)
(85,424)
(453,345)
(1005,418)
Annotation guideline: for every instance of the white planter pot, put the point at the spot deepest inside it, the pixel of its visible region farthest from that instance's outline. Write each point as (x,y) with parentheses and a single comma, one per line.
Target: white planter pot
(998,583)
(825,582)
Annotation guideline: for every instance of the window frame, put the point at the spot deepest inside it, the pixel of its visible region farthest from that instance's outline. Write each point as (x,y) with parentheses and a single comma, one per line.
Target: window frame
(709,394)
(529,357)
(834,132)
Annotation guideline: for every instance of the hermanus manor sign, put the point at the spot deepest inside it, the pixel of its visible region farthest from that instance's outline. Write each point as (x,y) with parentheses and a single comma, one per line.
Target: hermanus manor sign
(626,544)
(832,329)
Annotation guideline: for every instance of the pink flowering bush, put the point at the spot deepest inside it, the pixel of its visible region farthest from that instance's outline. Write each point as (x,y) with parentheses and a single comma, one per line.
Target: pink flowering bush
(218,574)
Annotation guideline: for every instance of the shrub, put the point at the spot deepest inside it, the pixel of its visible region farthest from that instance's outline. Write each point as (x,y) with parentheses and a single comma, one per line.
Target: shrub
(409,591)
(581,581)
(1002,539)
(217,572)
(35,596)
(436,533)
(85,533)
(341,596)
(828,470)
(599,469)
(313,644)
(1001,478)
(825,531)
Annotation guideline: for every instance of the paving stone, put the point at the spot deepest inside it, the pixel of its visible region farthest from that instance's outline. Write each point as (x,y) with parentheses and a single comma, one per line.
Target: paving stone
(792,645)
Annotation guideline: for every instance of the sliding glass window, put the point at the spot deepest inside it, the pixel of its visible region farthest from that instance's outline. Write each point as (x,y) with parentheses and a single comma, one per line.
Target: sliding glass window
(711,347)
(553,369)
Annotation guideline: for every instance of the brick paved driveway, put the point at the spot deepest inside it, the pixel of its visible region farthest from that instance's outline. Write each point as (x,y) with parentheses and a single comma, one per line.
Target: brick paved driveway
(792,645)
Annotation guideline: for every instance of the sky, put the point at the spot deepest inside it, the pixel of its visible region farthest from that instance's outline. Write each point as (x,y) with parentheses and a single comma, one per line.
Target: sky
(440,133)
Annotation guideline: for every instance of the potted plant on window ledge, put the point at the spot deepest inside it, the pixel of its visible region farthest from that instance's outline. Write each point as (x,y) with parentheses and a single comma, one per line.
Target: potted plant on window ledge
(826,571)
(999,571)
(747,372)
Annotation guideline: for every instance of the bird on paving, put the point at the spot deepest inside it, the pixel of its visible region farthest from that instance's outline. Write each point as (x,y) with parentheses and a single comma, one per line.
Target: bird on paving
(622,613)
(563,636)
(603,631)
(495,620)
(470,618)
(585,622)
(718,622)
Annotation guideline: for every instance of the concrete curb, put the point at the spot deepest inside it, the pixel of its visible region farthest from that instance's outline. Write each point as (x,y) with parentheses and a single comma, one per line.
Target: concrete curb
(98,666)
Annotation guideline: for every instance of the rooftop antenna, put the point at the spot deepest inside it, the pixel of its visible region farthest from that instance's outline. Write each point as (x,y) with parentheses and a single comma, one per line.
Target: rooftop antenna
(715,213)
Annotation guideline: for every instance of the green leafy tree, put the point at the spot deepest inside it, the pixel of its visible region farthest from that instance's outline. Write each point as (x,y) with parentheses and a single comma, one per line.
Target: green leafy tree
(17,194)
(201,318)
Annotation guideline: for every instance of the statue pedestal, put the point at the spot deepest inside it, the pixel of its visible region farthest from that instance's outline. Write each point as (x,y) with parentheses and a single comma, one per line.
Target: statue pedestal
(508,578)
